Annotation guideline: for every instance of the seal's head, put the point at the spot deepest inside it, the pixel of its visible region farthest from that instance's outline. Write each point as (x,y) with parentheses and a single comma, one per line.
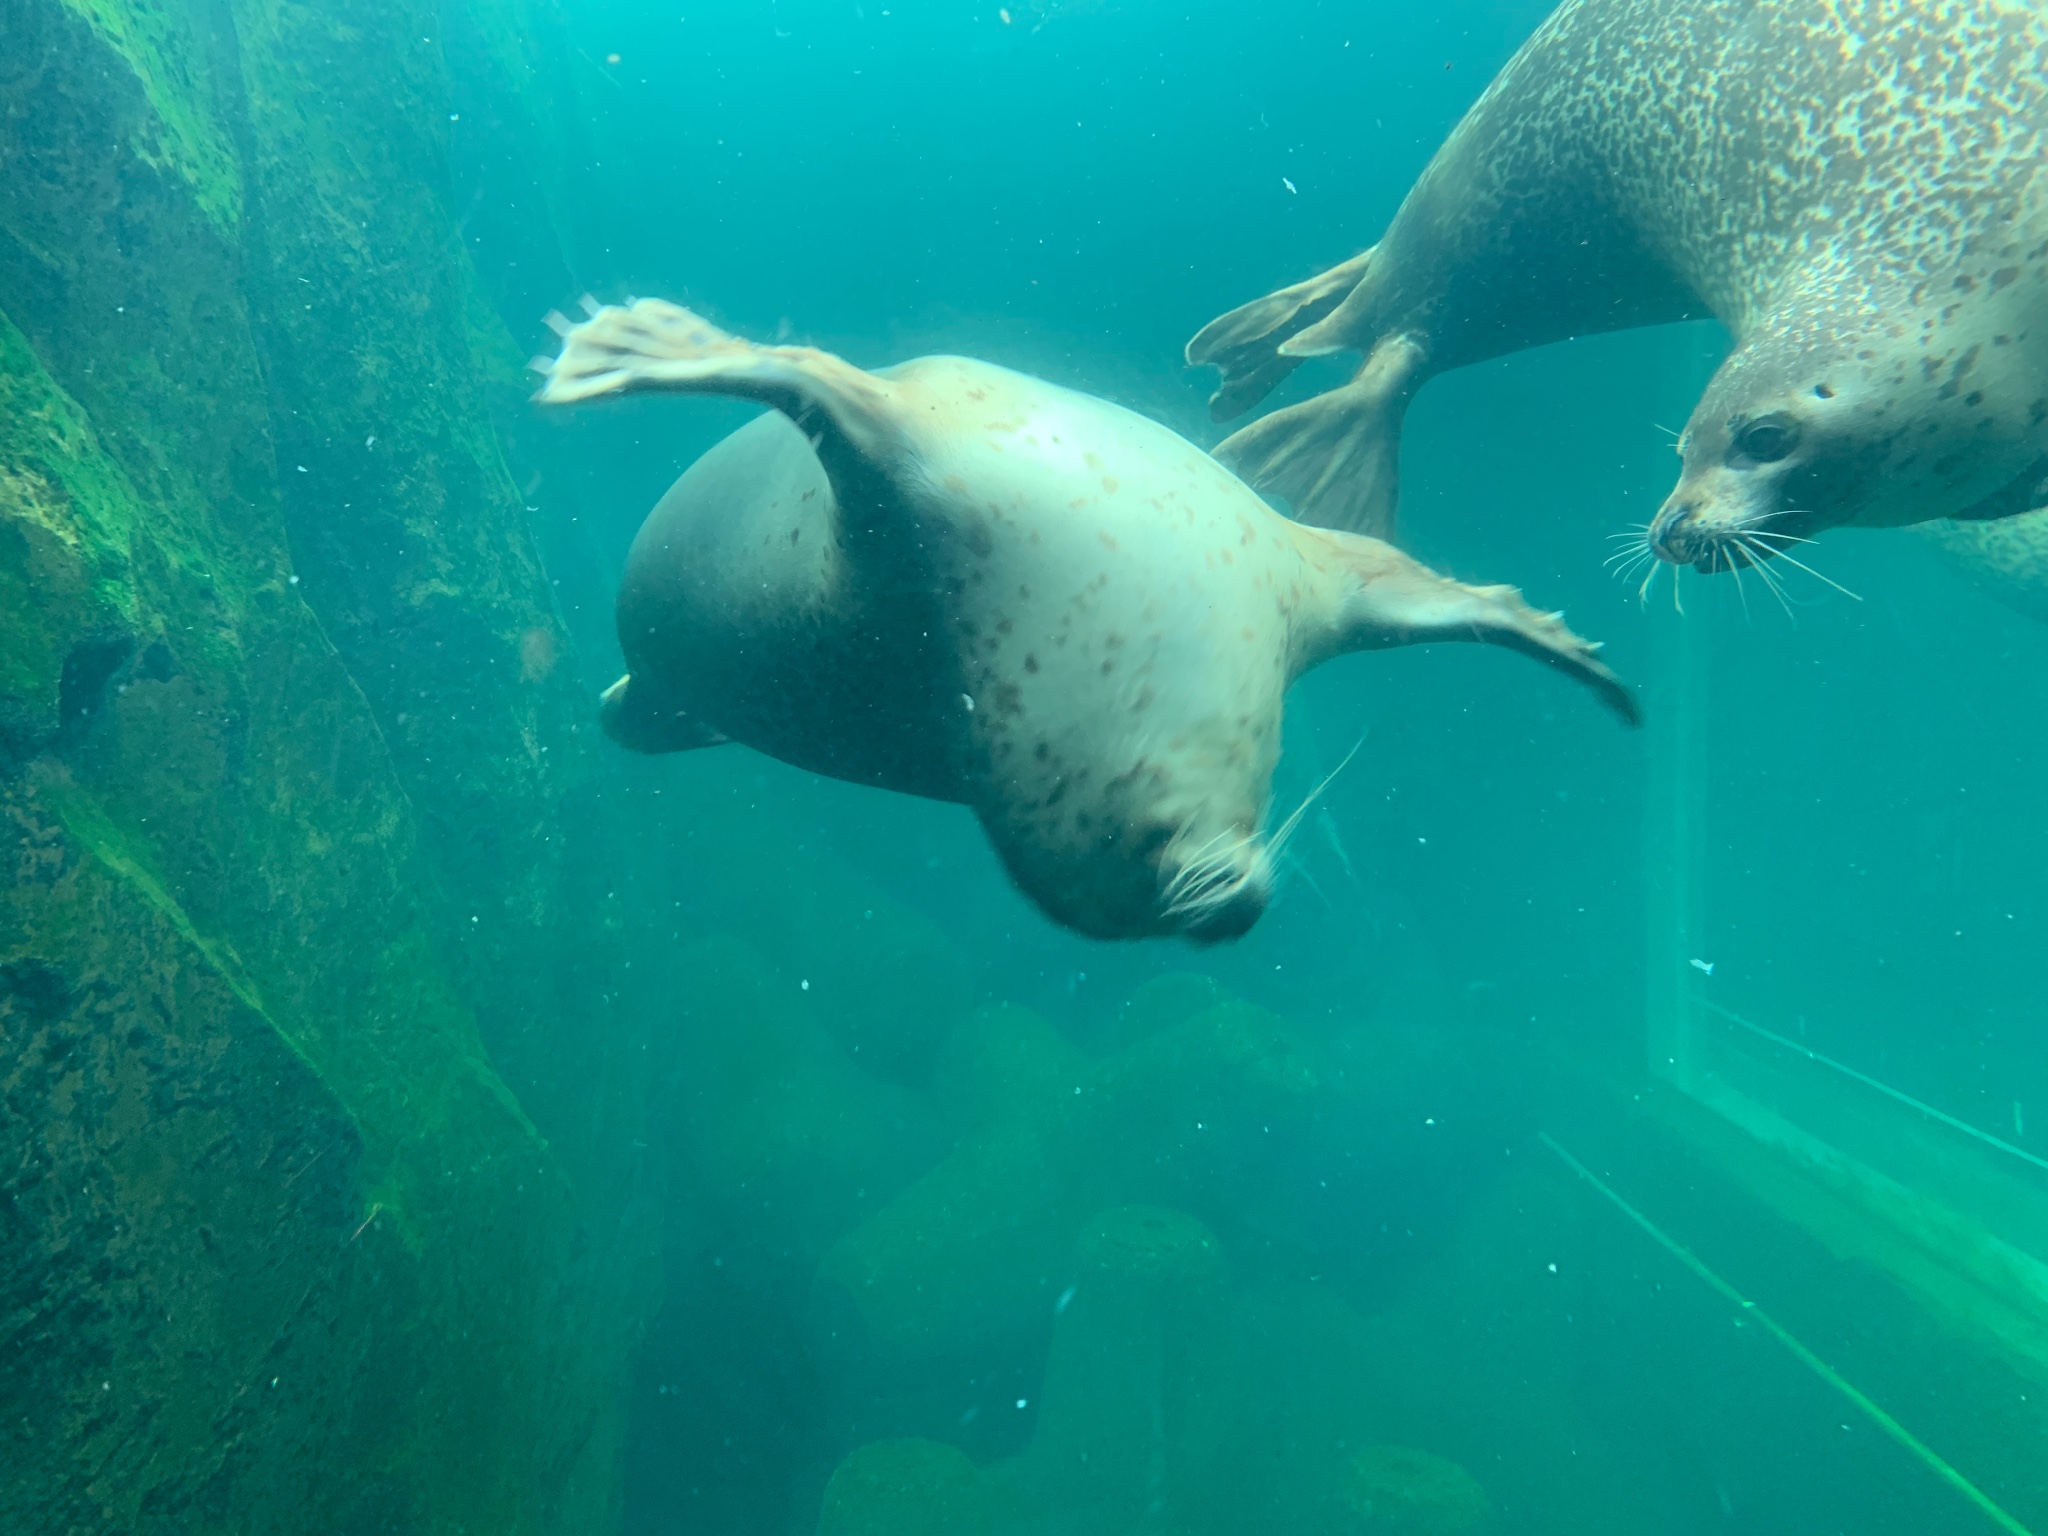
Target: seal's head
(1874,417)
(1776,450)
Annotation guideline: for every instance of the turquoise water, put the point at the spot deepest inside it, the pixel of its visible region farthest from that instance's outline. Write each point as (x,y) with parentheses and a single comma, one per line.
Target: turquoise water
(703,1145)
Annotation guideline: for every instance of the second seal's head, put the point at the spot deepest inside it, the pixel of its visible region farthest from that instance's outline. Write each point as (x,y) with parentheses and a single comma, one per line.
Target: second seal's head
(1771,455)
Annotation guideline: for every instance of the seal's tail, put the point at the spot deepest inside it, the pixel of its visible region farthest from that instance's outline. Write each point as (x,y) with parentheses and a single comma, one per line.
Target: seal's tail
(1246,343)
(1336,458)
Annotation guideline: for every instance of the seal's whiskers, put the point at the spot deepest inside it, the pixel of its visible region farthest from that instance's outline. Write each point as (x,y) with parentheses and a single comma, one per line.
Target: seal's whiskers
(1630,559)
(1790,559)
(1206,876)
(1633,555)
(1212,875)
(1748,551)
(1208,879)
(1725,559)
(1279,839)
(1296,866)
(1633,567)
(1649,581)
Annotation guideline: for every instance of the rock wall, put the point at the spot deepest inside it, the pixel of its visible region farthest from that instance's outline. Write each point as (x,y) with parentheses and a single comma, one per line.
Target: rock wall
(325,1073)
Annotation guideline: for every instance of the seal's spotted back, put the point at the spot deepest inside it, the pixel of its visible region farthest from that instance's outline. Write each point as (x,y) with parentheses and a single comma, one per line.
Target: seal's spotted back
(1851,186)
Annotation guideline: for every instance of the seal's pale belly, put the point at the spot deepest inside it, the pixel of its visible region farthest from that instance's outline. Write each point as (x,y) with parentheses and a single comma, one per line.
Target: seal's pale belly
(961,582)
(1122,567)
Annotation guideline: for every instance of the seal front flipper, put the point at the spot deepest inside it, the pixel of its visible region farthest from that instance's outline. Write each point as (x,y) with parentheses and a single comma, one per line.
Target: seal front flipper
(651,345)
(1385,598)
(1336,458)
(639,725)
(1247,343)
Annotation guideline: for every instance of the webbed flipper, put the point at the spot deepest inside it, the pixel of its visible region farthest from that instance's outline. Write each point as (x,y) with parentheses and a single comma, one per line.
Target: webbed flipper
(1397,600)
(1246,343)
(1336,458)
(651,345)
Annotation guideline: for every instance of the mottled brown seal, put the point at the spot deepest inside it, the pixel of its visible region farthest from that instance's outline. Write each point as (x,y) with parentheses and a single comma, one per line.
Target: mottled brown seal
(957,581)
(1853,187)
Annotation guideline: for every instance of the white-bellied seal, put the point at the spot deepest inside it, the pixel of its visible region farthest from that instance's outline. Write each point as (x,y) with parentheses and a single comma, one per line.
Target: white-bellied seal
(1853,187)
(957,581)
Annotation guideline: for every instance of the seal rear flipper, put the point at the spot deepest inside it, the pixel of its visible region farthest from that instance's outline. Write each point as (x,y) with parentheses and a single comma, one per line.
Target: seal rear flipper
(1246,343)
(638,727)
(1393,599)
(1336,458)
(651,345)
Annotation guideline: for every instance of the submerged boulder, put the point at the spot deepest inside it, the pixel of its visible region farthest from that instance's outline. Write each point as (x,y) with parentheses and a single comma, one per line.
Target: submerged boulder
(1399,1491)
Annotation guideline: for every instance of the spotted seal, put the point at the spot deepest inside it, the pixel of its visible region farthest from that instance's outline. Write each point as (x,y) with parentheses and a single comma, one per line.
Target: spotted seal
(961,582)
(1852,187)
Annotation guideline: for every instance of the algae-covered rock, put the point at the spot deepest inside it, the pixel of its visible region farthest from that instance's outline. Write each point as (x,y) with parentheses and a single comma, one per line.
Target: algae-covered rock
(1111,1446)
(1109,1449)
(1166,999)
(1001,1061)
(287,1251)
(1288,1391)
(782,1142)
(1170,1403)
(976,1251)
(907,1487)
(1398,1491)
(887,982)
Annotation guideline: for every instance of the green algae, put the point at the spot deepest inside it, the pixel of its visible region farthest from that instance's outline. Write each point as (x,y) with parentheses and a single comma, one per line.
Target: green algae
(275,1189)
(88,824)
(156,42)
(63,537)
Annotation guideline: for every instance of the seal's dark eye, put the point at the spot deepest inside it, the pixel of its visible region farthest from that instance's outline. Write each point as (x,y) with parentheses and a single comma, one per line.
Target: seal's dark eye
(1766,441)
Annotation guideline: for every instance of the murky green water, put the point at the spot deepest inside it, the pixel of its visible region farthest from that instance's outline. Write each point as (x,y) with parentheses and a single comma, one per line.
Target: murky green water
(419,1115)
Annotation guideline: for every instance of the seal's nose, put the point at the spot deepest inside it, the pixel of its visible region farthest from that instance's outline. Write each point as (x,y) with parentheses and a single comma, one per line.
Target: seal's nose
(1216,897)
(1674,532)
(1233,917)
